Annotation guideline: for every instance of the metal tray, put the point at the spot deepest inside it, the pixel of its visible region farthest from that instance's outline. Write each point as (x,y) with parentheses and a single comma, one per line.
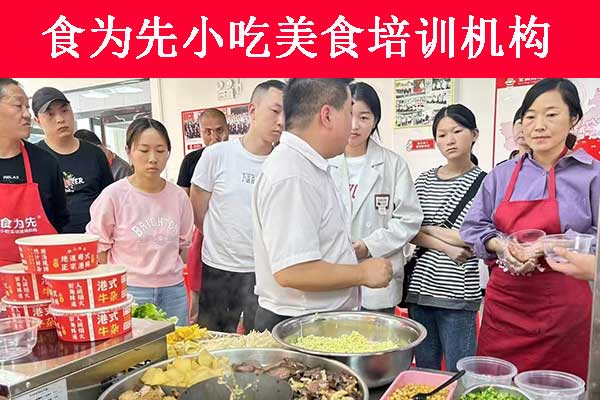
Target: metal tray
(263,356)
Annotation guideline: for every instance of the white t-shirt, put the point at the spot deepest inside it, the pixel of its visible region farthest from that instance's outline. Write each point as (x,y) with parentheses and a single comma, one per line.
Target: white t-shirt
(355,167)
(228,171)
(298,217)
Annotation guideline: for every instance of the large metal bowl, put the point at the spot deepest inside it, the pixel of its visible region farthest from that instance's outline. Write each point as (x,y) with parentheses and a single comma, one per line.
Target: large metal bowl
(264,356)
(377,369)
(501,388)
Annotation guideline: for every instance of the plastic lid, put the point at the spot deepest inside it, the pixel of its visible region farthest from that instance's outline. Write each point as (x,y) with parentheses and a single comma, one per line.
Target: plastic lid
(25,303)
(468,364)
(58,311)
(14,269)
(57,240)
(99,272)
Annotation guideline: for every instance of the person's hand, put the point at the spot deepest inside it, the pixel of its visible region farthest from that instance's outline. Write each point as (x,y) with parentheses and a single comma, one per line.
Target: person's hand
(578,265)
(458,254)
(510,263)
(376,272)
(193,307)
(360,249)
(525,253)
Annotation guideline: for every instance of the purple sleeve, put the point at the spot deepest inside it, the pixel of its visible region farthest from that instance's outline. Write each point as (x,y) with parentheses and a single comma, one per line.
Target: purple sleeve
(478,226)
(595,199)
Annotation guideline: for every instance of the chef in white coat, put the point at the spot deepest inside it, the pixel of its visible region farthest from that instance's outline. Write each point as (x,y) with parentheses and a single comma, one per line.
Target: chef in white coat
(378,192)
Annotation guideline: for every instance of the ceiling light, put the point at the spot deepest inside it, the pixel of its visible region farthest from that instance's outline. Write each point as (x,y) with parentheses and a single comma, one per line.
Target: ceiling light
(127,89)
(97,94)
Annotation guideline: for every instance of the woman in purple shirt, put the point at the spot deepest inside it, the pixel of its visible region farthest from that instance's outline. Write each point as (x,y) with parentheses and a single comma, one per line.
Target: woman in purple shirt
(536,317)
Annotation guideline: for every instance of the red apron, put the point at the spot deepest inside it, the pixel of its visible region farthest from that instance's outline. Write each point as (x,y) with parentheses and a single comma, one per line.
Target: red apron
(24,217)
(542,321)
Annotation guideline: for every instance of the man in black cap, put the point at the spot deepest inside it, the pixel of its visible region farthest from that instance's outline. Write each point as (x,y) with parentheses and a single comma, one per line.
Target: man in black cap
(120,168)
(84,166)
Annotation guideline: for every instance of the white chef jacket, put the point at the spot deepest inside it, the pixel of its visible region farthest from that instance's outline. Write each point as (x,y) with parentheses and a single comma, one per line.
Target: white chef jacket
(385,214)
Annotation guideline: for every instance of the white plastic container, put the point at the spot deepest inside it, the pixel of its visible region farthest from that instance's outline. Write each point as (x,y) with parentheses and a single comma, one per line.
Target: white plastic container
(486,370)
(551,385)
(18,336)
(581,243)
(526,243)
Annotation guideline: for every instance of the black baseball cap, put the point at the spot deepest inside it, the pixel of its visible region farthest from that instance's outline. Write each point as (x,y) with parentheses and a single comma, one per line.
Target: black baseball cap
(44,97)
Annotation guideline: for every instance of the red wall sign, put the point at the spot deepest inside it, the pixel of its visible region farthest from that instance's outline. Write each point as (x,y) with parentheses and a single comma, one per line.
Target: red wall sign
(420,144)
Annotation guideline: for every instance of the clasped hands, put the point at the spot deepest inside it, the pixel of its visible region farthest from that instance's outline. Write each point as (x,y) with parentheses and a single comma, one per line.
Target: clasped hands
(519,259)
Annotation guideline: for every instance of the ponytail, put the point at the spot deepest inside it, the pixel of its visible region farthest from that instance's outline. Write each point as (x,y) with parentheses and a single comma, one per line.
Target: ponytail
(570,141)
(474,159)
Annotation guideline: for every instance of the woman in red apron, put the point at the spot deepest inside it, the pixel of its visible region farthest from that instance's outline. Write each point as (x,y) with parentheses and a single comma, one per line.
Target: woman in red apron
(22,212)
(535,317)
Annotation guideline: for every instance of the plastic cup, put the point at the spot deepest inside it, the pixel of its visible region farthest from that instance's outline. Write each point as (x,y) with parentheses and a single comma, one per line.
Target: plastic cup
(525,244)
(581,243)
(550,385)
(485,370)
(18,336)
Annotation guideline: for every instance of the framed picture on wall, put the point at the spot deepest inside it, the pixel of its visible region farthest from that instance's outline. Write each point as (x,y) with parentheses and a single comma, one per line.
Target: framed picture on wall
(418,100)
(238,121)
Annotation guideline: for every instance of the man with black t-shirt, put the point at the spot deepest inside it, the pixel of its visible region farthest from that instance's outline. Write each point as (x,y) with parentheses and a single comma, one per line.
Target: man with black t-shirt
(84,166)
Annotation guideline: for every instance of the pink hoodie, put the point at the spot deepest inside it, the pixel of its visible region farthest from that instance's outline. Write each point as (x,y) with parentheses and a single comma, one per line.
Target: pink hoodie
(144,231)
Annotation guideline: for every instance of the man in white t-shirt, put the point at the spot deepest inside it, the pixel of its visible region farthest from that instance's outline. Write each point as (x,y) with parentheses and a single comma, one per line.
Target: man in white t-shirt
(221,195)
(302,245)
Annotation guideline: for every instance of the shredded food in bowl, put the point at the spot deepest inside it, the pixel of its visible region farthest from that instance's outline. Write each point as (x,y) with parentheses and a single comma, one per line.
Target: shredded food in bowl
(349,343)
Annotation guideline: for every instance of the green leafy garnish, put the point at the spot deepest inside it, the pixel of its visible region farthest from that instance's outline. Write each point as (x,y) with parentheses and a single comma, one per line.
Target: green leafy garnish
(491,394)
(151,311)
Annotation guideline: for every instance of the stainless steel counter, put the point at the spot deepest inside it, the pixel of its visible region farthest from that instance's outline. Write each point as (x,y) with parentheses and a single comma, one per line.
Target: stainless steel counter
(82,366)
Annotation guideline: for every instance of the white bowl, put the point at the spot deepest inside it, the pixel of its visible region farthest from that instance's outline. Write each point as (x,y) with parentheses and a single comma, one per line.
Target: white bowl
(18,336)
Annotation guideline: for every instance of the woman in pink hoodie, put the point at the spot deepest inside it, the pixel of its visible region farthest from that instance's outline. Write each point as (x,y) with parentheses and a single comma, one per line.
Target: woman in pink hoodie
(145,222)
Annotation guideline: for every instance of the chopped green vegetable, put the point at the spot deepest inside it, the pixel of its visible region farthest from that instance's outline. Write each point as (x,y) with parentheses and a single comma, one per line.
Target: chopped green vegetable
(352,343)
(151,311)
(491,394)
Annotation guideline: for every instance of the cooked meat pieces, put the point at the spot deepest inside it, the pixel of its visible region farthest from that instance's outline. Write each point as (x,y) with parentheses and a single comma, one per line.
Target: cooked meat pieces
(249,366)
(280,372)
(307,383)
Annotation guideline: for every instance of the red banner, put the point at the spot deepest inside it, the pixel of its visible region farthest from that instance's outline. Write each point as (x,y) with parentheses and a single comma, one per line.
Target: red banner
(514,82)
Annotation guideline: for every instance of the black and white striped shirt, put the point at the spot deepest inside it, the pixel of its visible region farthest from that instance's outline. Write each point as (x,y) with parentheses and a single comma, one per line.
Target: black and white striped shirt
(438,280)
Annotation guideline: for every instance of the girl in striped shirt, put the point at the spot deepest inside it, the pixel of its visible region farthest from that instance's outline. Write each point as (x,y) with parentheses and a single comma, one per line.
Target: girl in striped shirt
(444,293)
